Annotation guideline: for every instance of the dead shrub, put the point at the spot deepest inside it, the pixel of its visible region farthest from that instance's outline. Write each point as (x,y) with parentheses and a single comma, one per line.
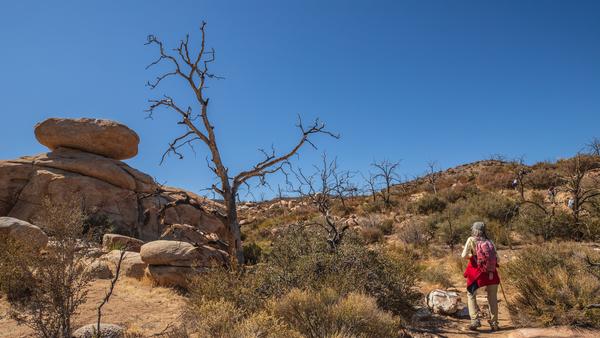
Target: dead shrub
(56,280)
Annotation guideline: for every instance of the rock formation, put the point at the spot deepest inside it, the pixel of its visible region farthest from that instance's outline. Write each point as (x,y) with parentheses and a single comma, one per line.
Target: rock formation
(172,263)
(84,162)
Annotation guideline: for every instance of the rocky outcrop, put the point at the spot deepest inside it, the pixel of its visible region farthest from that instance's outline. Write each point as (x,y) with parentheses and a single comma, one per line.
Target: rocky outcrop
(23,232)
(132,201)
(173,263)
(121,242)
(103,137)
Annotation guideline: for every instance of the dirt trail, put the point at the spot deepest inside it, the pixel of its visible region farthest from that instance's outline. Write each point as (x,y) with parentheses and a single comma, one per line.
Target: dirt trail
(134,303)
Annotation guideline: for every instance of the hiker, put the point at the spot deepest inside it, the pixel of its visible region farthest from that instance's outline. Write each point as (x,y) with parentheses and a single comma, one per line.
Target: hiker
(481,271)
(552,194)
(571,203)
(515,183)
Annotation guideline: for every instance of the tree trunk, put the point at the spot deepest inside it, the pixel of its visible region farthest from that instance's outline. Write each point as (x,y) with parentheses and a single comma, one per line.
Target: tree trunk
(234,228)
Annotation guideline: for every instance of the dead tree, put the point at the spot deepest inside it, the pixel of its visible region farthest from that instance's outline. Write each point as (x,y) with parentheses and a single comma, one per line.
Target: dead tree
(386,173)
(582,187)
(321,188)
(594,147)
(193,69)
(432,175)
(371,185)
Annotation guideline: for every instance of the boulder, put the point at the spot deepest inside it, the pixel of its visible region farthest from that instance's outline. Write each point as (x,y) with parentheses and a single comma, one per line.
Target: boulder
(102,137)
(131,266)
(177,253)
(169,276)
(443,302)
(99,269)
(22,232)
(115,241)
(106,331)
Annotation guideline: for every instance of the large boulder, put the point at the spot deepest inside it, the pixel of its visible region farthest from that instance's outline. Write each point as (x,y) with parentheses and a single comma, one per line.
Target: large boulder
(443,302)
(103,137)
(121,242)
(168,276)
(106,331)
(177,253)
(131,265)
(23,232)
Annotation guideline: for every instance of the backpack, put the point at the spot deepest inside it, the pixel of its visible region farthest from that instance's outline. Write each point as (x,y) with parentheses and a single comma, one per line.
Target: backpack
(486,256)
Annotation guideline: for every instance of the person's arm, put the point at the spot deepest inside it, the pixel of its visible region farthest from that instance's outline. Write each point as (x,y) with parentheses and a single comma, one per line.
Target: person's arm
(466,253)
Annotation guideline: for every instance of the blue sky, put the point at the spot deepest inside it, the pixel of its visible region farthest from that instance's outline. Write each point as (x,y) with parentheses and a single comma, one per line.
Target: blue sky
(451,81)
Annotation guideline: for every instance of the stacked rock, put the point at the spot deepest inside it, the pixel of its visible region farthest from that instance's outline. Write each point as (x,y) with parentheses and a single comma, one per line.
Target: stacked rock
(85,161)
(173,263)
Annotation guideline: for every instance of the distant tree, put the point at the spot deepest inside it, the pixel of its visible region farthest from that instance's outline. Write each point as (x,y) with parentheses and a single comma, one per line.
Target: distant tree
(193,69)
(594,147)
(371,185)
(432,175)
(582,187)
(386,172)
(321,188)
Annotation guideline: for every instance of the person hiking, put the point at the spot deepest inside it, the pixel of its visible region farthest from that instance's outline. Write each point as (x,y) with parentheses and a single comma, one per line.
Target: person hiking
(481,272)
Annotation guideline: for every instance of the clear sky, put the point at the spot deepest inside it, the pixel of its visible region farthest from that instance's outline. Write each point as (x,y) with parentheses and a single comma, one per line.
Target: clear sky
(451,81)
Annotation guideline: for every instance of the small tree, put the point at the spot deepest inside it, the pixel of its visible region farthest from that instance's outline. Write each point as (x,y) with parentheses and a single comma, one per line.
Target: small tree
(192,69)
(594,147)
(432,175)
(57,280)
(581,186)
(321,188)
(387,173)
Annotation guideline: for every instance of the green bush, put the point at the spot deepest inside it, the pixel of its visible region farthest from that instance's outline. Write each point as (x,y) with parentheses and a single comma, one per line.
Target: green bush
(252,253)
(555,285)
(429,204)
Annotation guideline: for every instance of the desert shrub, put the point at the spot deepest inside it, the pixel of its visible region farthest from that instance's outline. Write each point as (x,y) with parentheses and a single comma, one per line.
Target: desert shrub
(301,258)
(417,232)
(213,318)
(437,274)
(459,192)
(56,281)
(325,313)
(264,325)
(252,253)
(429,204)
(536,223)
(495,177)
(371,235)
(555,285)
(543,178)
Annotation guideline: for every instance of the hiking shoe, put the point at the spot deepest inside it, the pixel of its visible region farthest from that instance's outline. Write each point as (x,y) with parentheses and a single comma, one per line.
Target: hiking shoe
(475,324)
(494,326)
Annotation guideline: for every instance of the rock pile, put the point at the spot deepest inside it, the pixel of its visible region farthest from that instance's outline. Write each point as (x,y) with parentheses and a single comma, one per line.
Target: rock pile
(85,162)
(173,263)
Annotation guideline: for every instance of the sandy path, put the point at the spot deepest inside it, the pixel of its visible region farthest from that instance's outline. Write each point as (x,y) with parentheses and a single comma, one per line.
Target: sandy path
(133,303)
